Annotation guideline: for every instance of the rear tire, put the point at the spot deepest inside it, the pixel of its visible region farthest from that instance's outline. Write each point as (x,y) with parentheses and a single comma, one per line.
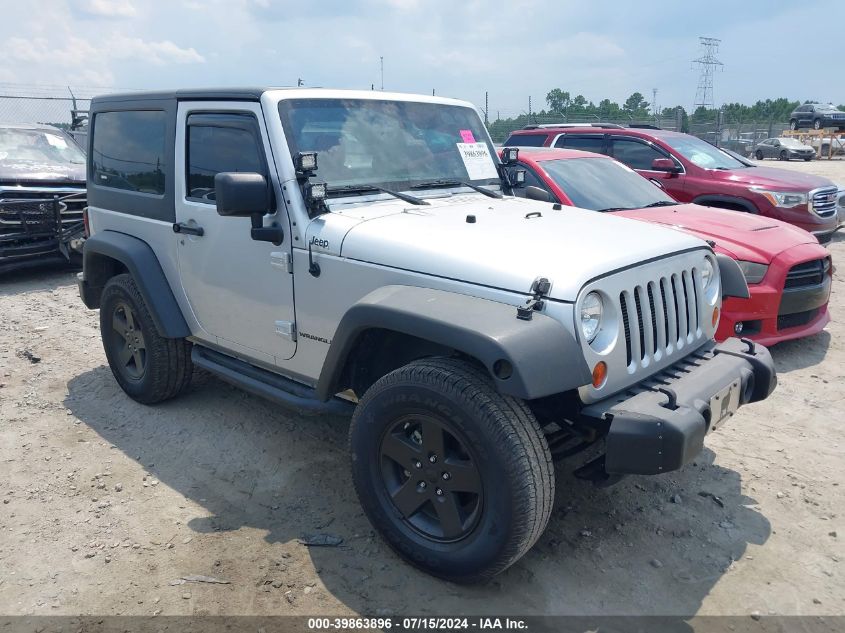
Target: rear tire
(471,512)
(147,366)
(793,124)
(759,155)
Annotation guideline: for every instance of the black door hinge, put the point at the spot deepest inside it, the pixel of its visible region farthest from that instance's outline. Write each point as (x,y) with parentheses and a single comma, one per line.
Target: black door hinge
(540,288)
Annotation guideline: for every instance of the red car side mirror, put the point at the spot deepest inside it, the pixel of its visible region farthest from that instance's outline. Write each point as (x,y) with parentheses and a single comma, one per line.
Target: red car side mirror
(665,164)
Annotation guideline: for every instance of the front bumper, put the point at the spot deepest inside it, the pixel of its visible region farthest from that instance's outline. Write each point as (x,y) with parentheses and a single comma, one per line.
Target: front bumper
(662,425)
(773,314)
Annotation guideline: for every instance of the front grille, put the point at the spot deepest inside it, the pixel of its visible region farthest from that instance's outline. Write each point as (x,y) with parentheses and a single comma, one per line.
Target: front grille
(797,319)
(661,316)
(30,214)
(824,201)
(810,273)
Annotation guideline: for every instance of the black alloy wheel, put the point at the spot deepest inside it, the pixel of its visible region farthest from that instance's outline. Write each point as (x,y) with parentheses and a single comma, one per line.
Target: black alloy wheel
(129,342)
(432,479)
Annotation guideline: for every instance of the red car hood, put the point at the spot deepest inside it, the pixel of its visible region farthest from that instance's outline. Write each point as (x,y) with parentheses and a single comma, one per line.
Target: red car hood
(741,235)
(777,179)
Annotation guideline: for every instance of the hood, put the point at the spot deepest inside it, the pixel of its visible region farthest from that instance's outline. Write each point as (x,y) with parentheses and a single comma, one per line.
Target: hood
(12,172)
(743,236)
(502,248)
(773,178)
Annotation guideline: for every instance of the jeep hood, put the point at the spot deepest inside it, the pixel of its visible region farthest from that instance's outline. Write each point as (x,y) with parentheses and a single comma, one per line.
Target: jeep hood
(741,235)
(772,177)
(511,242)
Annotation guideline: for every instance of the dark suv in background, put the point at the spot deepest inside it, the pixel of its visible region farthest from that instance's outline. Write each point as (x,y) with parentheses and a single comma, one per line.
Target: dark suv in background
(42,195)
(692,170)
(817,116)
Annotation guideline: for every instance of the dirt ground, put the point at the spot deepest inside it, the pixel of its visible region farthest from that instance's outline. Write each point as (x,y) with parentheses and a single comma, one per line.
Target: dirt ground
(107,504)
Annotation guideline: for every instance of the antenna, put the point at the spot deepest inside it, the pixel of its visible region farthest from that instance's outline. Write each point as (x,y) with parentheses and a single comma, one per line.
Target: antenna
(381,65)
(707,63)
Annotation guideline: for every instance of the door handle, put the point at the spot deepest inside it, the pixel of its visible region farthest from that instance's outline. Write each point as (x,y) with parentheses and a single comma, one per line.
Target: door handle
(180,227)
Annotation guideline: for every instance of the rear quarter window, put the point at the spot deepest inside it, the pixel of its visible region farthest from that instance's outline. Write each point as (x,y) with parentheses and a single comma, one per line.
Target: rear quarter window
(128,149)
(526,140)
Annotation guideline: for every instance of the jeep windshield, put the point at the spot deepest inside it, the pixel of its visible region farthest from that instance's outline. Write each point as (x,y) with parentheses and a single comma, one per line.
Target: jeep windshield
(25,148)
(702,153)
(363,144)
(601,184)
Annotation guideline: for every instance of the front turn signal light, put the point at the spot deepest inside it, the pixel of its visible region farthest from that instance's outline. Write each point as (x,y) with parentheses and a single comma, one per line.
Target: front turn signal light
(599,374)
(715,316)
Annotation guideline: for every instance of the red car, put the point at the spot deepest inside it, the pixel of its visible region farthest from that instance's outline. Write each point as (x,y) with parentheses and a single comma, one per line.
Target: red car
(788,272)
(692,170)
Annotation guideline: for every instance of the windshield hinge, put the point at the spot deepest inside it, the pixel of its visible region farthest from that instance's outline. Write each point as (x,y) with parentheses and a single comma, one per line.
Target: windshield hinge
(539,289)
(286,329)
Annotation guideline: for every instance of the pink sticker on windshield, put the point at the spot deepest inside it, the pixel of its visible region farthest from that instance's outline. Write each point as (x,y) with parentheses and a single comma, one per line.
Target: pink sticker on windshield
(467,136)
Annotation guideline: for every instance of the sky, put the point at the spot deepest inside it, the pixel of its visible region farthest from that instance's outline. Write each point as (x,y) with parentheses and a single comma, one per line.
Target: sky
(459,48)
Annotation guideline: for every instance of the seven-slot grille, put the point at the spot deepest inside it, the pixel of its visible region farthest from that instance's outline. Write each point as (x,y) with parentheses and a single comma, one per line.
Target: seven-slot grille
(824,201)
(807,274)
(661,316)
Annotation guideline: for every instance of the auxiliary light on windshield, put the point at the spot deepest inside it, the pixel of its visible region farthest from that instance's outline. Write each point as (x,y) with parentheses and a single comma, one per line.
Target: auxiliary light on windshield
(305,162)
(510,155)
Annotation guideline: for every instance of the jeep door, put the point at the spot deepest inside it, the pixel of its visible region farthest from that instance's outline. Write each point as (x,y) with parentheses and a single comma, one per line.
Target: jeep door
(240,290)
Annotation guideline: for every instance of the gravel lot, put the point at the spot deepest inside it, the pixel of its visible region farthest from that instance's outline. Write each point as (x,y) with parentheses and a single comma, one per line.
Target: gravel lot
(108,505)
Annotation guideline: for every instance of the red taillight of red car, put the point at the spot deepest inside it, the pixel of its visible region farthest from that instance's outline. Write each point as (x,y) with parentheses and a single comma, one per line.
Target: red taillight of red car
(85,222)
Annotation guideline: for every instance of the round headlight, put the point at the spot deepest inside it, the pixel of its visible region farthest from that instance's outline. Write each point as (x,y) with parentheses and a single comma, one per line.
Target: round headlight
(591,309)
(707,274)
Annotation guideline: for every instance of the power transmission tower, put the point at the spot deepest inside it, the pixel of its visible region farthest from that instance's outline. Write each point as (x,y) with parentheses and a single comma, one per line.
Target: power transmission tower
(654,102)
(707,64)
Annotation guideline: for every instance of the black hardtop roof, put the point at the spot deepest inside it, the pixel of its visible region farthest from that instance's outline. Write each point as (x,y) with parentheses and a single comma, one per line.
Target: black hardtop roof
(184,94)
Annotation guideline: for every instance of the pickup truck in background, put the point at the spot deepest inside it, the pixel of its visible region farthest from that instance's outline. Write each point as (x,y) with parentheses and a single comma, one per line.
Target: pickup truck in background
(42,196)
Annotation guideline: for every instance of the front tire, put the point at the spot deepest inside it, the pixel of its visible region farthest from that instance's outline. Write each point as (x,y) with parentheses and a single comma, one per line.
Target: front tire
(456,477)
(147,366)
(784,155)
(793,124)
(817,124)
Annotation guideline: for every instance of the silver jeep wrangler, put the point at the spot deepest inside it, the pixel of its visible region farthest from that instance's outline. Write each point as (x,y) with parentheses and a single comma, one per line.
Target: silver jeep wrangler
(361,253)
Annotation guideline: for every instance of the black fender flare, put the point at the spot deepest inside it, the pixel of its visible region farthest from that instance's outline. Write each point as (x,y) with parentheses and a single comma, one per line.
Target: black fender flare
(733,280)
(708,200)
(543,356)
(140,260)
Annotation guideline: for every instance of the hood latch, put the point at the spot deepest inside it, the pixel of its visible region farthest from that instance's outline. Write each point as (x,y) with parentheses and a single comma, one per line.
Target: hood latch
(539,289)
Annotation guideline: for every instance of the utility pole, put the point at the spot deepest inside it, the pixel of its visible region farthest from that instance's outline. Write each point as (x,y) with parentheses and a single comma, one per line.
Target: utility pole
(381,65)
(654,102)
(707,64)
(529,106)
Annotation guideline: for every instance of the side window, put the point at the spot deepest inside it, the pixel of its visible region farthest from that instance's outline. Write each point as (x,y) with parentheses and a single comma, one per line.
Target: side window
(525,140)
(635,154)
(594,143)
(218,143)
(128,150)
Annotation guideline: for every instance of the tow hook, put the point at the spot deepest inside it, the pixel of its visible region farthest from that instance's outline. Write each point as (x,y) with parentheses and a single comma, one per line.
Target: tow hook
(539,289)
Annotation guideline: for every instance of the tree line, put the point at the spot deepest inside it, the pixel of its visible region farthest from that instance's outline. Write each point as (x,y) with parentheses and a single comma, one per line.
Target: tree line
(561,106)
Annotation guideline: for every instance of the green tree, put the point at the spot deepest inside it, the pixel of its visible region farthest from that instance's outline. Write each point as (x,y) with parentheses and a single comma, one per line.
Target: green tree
(558,100)
(635,104)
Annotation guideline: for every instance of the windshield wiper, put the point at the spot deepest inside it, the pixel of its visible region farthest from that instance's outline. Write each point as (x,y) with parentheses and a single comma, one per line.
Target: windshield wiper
(456,183)
(661,203)
(372,188)
(616,209)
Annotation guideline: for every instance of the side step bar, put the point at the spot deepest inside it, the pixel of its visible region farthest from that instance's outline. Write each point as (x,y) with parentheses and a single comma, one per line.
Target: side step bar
(266,384)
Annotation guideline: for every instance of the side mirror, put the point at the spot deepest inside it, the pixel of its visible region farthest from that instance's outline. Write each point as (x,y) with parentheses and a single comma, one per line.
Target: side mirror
(776,143)
(664,164)
(535,193)
(247,195)
(241,194)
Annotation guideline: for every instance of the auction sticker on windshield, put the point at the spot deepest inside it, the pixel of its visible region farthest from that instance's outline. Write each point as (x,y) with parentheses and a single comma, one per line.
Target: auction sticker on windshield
(477,160)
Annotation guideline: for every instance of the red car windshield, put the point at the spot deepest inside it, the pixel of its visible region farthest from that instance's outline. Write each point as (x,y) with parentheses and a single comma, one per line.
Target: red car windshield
(601,184)
(702,153)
